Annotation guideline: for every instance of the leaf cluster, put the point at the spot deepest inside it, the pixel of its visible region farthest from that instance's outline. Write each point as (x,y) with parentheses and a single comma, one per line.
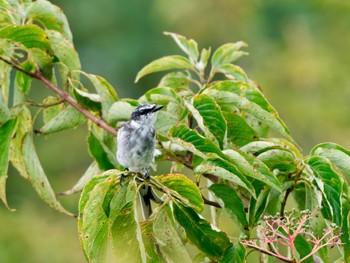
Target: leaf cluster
(216,126)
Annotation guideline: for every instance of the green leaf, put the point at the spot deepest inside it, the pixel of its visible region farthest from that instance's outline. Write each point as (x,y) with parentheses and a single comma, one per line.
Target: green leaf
(278,158)
(93,222)
(67,119)
(258,205)
(150,242)
(209,118)
(227,53)
(345,237)
(30,36)
(161,95)
(189,46)
(224,169)
(35,174)
(89,100)
(50,112)
(248,98)
(50,16)
(253,167)
(167,239)
(6,132)
(193,142)
(200,232)
(184,187)
(124,228)
(233,72)
(205,54)
(231,202)
(234,254)
(303,248)
(100,152)
(338,155)
(164,63)
(92,170)
(238,131)
(175,80)
(105,91)
(120,111)
(330,184)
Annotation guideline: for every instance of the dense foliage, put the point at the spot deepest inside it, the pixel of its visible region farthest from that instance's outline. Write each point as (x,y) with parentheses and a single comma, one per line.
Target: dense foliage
(227,146)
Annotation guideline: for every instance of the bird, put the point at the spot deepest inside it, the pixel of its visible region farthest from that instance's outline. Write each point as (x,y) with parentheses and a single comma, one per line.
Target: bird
(136,149)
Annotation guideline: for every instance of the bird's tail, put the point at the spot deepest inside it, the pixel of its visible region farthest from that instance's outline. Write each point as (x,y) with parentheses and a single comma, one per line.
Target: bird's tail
(146,195)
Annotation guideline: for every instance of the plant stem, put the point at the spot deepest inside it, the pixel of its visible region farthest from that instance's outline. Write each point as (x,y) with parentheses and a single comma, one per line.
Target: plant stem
(64,96)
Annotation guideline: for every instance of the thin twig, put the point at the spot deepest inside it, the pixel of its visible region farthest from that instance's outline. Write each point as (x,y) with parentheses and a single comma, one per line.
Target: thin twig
(65,96)
(209,202)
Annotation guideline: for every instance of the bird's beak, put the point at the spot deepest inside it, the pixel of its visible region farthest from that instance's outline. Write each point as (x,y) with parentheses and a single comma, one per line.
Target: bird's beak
(157,108)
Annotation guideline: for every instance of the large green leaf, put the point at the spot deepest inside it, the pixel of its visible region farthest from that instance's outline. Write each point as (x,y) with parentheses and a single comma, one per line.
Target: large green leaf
(234,254)
(93,221)
(67,119)
(248,99)
(338,155)
(209,118)
(160,95)
(224,169)
(278,158)
(90,101)
(193,142)
(50,16)
(105,91)
(6,131)
(303,247)
(36,175)
(30,36)
(227,53)
(126,242)
(233,72)
(149,241)
(231,202)
(176,80)
(200,232)
(330,184)
(189,46)
(184,187)
(253,167)
(164,63)
(167,238)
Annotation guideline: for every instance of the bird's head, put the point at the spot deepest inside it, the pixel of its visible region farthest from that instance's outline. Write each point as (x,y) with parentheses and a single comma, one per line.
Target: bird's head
(145,114)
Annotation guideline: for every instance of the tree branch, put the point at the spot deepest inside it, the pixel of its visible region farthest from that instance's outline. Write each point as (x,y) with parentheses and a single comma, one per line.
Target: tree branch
(64,96)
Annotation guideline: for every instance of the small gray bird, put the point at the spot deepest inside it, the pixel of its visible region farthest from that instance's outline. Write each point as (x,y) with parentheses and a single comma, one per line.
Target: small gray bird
(136,146)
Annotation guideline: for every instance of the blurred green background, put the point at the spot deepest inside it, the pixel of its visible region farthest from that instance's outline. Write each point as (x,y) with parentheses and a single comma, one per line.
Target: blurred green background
(299,54)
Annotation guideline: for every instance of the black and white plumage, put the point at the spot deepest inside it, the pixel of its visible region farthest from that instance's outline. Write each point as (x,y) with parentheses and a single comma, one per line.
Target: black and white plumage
(136,147)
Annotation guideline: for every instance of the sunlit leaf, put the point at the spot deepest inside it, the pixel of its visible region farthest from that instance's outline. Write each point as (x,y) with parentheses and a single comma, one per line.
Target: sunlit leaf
(232,72)
(149,241)
(90,101)
(175,80)
(184,187)
(120,110)
(189,46)
(67,119)
(205,54)
(125,241)
(6,131)
(227,53)
(200,232)
(330,184)
(209,118)
(164,63)
(49,16)
(36,175)
(161,96)
(231,202)
(338,155)
(167,239)
(253,167)
(278,158)
(192,141)
(93,221)
(30,36)
(106,92)
(224,169)
(92,170)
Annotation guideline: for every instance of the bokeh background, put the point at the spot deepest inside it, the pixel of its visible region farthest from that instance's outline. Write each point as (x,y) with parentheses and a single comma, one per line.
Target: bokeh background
(299,54)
